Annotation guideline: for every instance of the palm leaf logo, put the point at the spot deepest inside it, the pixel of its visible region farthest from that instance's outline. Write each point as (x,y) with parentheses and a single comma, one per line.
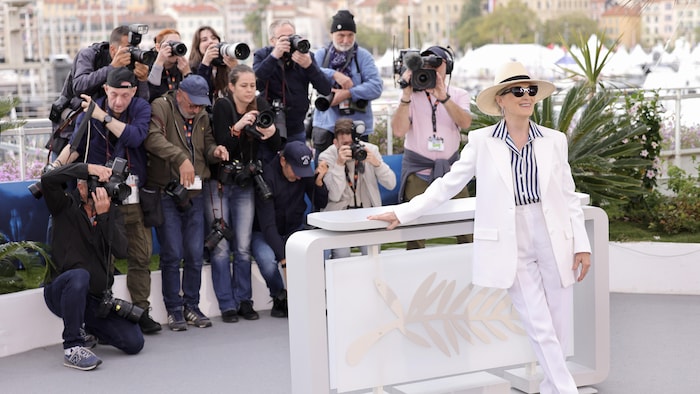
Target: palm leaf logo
(445,316)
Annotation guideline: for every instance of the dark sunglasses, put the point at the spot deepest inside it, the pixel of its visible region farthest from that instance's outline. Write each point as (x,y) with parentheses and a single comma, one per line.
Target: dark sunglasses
(519,91)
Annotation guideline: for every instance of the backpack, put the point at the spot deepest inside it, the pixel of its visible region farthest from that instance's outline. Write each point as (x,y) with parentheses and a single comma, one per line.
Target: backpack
(66,108)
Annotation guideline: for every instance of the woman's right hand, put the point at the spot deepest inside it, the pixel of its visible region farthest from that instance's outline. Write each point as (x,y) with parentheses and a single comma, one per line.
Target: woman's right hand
(211,53)
(245,120)
(389,217)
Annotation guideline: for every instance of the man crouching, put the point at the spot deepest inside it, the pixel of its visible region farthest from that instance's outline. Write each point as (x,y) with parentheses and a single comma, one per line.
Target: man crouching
(87,232)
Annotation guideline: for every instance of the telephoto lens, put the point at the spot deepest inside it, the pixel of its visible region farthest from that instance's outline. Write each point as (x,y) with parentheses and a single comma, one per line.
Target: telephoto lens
(238,50)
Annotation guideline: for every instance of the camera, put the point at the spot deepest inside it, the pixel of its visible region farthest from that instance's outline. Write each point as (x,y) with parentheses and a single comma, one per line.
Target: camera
(237,50)
(322,103)
(148,57)
(253,170)
(178,48)
(264,120)
(35,188)
(359,152)
(298,43)
(349,107)
(179,195)
(116,186)
(280,117)
(228,172)
(219,231)
(421,78)
(122,308)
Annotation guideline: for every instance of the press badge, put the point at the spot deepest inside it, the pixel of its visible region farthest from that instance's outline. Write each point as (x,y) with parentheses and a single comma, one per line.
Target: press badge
(197,184)
(436,144)
(133,182)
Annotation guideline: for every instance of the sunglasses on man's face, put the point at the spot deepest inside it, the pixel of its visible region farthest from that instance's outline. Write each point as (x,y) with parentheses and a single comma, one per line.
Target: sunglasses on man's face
(519,91)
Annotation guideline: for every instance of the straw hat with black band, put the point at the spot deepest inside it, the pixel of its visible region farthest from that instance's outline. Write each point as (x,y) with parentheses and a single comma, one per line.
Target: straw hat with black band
(509,74)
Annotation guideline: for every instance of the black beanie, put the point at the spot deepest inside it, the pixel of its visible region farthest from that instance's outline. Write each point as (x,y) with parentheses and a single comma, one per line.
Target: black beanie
(343,20)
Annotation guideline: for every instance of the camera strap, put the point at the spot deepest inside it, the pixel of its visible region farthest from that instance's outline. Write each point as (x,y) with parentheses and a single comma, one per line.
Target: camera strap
(353,183)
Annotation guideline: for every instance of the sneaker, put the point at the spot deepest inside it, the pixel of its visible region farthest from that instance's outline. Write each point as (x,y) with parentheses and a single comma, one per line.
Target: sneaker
(229,316)
(196,318)
(90,341)
(279,305)
(148,325)
(246,311)
(176,321)
(81,358)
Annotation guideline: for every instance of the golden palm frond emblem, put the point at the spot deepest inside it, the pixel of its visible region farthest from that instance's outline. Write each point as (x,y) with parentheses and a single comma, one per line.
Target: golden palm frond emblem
(470,314)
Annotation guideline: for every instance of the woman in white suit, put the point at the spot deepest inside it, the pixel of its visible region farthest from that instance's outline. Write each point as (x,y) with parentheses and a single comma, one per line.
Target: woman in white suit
(529,234)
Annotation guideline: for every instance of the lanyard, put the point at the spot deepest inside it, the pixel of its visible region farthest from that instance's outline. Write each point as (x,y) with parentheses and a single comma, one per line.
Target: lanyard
(433,110)
(170,79)
(188,127)
(353,183)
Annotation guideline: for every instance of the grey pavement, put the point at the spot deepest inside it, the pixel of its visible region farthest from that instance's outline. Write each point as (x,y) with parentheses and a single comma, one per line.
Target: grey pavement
(654,347)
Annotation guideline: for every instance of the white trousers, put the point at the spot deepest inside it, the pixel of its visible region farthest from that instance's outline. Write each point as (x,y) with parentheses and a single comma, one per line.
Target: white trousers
(544,306)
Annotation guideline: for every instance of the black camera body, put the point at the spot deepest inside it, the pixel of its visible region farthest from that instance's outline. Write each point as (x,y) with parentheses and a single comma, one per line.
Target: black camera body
(122,308)
(219,231)
(116,186)
(178,48)
(264,120)
(148,57)
(179,194)
(421,78)
(237,50)
(228,171)
(246,173)
(298,43)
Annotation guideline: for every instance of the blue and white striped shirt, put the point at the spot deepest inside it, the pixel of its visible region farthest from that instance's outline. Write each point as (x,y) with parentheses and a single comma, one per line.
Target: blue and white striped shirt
(523,164)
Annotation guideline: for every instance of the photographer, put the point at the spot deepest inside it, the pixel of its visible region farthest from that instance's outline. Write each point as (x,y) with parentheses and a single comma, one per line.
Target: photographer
(284,73)
(89,73)
(87,233)
(355,171)
(180,148)
(290,178)
(170,66)
(206,60)
(430,120)
(118,127)
(356,82)
(230,194)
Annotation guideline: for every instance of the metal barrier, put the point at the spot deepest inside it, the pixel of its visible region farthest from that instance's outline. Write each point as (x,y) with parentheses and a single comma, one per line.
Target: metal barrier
(381,320)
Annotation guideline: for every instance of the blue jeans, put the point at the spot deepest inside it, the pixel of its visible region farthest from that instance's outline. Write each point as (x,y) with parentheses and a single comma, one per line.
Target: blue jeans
(67,297)
(236,205)
(267,263)
(181,237)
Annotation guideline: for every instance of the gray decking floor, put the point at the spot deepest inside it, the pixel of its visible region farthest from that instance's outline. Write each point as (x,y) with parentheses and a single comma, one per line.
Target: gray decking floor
(655,344)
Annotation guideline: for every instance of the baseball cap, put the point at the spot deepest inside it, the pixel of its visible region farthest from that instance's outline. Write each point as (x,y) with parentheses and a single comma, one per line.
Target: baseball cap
(197,88)
(298,155)
(121,77)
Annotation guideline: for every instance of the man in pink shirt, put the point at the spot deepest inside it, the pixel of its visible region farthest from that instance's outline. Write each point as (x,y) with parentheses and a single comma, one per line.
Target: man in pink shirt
(430,120)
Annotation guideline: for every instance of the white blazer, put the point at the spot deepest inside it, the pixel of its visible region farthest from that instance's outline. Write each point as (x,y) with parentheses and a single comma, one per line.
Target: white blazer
(495,244)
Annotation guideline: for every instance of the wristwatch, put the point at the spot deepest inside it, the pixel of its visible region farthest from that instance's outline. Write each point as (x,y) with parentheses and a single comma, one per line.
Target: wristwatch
(106,120)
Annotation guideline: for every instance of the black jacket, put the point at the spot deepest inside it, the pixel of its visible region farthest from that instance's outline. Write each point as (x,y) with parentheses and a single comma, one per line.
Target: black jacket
(290,83)
(284,213)
(76,243)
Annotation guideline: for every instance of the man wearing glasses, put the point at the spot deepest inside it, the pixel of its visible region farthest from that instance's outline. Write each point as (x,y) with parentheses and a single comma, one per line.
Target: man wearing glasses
(181,147)
(430,120)
(284,73)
